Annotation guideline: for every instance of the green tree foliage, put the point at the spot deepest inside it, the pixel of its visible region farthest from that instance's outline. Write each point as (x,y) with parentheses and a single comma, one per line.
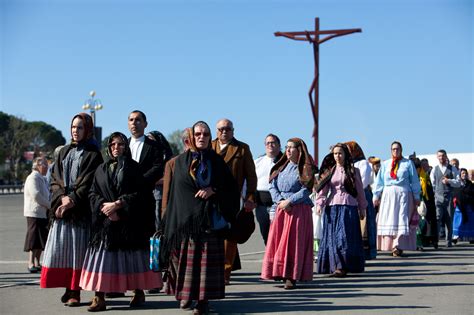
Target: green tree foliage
(18,136)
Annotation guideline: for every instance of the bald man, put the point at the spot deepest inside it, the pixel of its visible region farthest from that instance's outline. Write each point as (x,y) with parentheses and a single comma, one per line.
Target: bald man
(238,157)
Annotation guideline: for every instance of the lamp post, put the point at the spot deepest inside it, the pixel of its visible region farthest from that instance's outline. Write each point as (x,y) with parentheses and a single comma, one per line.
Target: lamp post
(94,105)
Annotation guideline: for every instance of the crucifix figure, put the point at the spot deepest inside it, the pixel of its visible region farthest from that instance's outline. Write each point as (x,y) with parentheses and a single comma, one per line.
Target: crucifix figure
(313,38)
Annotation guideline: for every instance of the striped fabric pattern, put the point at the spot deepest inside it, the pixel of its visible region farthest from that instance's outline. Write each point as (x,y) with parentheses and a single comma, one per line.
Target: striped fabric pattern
(117,271)
(196,272)
(64,255)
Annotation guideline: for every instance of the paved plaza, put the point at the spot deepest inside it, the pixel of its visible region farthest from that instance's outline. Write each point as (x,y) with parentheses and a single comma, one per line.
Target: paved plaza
(428,282)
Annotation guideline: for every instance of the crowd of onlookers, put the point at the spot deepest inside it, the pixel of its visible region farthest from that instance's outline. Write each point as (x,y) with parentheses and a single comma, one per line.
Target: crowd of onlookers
(93,215)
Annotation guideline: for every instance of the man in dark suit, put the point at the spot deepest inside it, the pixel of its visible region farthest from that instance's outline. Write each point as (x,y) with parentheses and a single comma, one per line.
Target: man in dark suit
(238,157)
(149,157)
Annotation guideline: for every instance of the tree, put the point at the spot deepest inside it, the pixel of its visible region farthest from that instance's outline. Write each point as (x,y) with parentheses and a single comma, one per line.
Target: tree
(175,141)
(45,137)
(4,123)
(18,136)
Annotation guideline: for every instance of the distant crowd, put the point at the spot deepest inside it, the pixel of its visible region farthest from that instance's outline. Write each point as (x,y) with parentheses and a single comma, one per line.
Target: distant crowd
(95,216)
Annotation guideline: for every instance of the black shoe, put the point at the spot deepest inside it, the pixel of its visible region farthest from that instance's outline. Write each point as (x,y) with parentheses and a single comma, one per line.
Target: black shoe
(154,291)
(65,296)
(113,295)
(138,298)
(202,307)
(32,269)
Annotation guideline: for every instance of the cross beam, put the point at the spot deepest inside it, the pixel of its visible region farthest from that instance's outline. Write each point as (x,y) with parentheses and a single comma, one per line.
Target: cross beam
(313,37)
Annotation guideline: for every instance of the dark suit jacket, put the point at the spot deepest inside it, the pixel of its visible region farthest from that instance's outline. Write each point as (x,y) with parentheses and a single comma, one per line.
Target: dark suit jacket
(151,166)
(151,162)
(240,161)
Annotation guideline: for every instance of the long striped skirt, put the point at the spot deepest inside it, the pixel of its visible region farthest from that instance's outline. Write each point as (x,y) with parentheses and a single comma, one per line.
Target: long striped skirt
(117,271)
(289,251)
(196,270)
(341,245)
(64,255)
(393,220)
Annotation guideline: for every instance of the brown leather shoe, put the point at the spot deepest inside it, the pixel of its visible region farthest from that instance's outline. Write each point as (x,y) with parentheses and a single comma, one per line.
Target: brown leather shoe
(339,273)
(290,284)
(185,305)
(396,252)
(97,305)
(138,298)
(74,298)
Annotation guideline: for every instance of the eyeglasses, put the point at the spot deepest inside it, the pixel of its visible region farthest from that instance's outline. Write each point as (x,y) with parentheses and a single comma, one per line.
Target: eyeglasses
(222,129)
(204,134)
(271,143)
(290,147)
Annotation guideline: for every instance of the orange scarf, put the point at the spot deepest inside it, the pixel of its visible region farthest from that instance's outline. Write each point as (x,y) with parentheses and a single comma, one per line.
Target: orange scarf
(394,169)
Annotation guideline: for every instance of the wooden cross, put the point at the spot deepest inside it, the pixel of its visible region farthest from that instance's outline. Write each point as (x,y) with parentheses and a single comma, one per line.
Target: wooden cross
(313,38)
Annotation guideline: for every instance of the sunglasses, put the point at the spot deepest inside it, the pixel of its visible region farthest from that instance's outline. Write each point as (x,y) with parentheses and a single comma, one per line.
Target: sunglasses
(222,129)
(204,134)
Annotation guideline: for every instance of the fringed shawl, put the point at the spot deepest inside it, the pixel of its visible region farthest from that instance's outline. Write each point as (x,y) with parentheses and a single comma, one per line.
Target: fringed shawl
(187,217)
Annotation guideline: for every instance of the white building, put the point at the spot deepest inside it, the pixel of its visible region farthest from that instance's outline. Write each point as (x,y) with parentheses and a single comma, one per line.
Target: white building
(466,160)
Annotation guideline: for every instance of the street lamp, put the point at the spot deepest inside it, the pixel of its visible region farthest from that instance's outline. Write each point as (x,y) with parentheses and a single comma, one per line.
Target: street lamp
(94,105)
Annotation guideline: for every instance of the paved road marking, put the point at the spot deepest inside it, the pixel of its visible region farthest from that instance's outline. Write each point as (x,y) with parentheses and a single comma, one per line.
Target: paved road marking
(19,283)
(6,262)
(254,253)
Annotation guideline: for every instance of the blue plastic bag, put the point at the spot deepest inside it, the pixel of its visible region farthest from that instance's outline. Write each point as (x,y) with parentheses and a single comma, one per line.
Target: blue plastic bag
(155,242)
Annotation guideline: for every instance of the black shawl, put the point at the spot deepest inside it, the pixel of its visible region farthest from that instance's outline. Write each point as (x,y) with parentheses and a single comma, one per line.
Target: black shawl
(187,216)
(126,233)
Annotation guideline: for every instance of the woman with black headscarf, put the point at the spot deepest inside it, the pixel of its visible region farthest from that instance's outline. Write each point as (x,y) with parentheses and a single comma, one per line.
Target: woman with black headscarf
(116,259)
(198,187)
(342,200)
(70,214)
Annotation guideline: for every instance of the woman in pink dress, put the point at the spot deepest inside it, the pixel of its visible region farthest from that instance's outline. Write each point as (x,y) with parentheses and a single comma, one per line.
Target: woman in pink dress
(289,251)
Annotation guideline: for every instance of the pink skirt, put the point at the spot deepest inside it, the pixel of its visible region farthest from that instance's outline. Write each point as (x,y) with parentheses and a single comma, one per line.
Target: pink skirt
(117,271)
(404,242)
(289,251)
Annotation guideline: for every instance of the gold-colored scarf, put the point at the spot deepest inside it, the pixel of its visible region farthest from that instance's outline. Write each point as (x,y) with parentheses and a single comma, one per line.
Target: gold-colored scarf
(424,180)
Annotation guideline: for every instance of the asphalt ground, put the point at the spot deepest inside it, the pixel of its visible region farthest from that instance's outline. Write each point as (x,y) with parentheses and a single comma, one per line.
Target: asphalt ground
(428,282)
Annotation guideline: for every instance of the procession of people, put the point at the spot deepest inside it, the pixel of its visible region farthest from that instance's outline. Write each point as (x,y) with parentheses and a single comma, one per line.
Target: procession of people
(103,210)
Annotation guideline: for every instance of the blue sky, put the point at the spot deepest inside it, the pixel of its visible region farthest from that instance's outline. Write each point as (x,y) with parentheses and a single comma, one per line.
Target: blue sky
(408,76)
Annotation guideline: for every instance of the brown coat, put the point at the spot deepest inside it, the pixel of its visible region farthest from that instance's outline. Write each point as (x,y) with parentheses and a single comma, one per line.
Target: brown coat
(240,161)
(169,170)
